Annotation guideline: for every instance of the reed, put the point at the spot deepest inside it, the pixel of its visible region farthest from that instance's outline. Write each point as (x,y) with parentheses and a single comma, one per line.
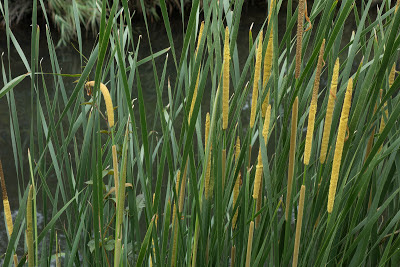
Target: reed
(339,145)
(256,80)
(313,106)
(329,112)
(292,151)
(299,225)
(107,100)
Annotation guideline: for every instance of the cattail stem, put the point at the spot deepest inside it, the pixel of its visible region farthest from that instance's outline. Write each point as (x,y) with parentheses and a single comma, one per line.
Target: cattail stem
(29,229)
(329,112)
(313,106)
(292,152)
(115,166)
(298,226)
(249,244)
(339,145)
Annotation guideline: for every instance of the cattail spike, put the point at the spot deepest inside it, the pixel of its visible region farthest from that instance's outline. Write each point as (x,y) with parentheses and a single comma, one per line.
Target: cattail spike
(329,112)
(266,124)
(300,30)
(257,180)
(225,92)
(255,84)
(107,100)
(313,107)
(208,170)
(339,145)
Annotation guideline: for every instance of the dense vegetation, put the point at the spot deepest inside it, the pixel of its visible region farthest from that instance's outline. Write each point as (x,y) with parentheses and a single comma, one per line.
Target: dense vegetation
(311,178)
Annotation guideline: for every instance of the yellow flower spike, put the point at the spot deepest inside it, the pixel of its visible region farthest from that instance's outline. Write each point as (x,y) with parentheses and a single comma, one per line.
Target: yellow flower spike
(257,180)
(292,152)
(6,203)
(235,197)
(107,100)
(391,75)
(329,112)
(268,60)
(249,244)
(29,228)
(313,106)
(225,91)
(237,184)
(208,170)
(339,145)
(298,226)
(237,149)
(198,74)
(255,84)
(300,30)
(266,124)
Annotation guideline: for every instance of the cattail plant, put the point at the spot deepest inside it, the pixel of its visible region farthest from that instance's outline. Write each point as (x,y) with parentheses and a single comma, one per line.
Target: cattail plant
(175,220)
(313,107)
(299,223)
(29,228)
(249,244)
(198,74)
(225,91)
(339,145)
(329,112)
(107,100)
(291,155)
(255,84)
(300,30)
(268,60)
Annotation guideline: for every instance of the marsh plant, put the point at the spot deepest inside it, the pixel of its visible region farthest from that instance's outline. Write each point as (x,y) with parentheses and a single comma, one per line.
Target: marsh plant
(310,178)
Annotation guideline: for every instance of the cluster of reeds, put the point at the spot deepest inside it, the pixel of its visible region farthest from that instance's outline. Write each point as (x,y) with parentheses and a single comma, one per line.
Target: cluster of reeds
(308,175)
